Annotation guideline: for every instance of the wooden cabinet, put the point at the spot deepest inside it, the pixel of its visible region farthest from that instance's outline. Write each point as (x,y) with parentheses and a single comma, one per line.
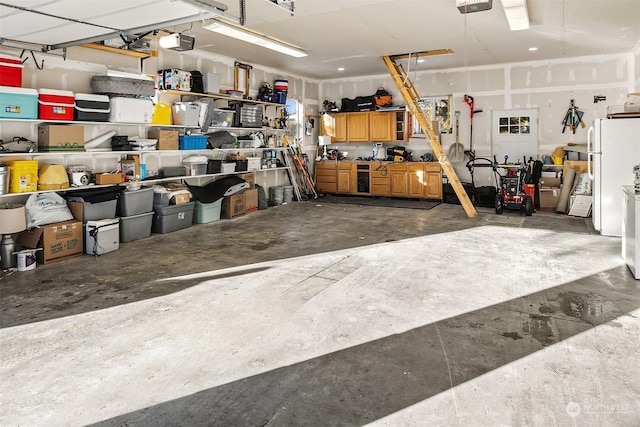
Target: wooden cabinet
(399,180)
(335,125)
(433,180)
(381,125)
(380,180)
(358,127)
(367,126)
(401,125)
(326,177)
(425,180)
(346,180)
(418,180)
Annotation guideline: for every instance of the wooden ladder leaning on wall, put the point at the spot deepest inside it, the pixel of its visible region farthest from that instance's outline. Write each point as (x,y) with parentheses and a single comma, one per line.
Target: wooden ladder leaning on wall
(411,98)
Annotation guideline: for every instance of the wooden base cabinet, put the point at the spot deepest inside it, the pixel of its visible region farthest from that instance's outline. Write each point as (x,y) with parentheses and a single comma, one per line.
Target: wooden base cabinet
(326,177)
(380,181)
(346,180)
(399,180)
(425,180)
(417,180)
(433,180)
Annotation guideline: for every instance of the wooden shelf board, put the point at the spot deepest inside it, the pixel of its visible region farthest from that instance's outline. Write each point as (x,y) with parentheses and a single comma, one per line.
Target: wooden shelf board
(126,52)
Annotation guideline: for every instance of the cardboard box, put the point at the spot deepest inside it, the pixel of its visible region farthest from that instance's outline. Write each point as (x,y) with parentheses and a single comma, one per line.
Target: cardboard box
(549,198)
(60,138)
(109,178)
(249,177)
(58,241)
(550,182)
(167,139)
(251,200)
(233,206)
(131,168)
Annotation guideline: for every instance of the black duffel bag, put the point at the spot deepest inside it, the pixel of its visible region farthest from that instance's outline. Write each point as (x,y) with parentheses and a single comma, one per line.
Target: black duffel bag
(359,103)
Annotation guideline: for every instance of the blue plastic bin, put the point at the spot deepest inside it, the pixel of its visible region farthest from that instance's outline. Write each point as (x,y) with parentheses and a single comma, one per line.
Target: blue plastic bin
(18,103)
(192,142)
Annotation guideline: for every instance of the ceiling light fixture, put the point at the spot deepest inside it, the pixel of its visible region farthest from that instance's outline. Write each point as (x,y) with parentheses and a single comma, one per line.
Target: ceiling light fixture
(253,37)
(516,12)
(469,6)
(533,49)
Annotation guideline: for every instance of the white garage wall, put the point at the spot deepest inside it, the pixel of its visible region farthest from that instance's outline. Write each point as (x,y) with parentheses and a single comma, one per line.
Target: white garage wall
(548,86)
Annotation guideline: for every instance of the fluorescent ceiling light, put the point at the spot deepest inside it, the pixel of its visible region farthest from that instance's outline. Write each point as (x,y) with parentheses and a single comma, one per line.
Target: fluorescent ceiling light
(255,38)
(516,12)
(470,6)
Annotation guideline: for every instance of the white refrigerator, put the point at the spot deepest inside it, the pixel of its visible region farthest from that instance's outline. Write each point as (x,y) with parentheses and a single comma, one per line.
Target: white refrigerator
(613,150)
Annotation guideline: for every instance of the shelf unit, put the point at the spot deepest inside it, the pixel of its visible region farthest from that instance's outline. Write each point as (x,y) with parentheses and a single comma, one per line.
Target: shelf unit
(99,161)
(221,97)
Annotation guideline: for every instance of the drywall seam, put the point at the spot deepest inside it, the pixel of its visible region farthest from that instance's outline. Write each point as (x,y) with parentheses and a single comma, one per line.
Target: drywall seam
(508,103)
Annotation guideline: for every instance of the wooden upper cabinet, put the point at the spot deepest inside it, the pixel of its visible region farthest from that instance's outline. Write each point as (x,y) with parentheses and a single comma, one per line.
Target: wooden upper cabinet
(358,127)
(340,128)
(335,125)
(401,126)
(367,126)
(381,125)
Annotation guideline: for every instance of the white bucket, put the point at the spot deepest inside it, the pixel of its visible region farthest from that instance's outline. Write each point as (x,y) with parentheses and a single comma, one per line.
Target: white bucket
(26,259)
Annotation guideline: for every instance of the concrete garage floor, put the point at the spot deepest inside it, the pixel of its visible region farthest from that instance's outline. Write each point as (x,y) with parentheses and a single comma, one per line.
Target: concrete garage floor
(318,314)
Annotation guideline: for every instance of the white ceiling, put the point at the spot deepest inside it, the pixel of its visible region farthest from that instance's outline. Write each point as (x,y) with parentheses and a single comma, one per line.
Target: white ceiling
(354,33)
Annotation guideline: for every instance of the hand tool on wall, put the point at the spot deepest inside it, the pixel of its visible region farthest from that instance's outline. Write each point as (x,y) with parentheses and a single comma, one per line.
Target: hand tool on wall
(573,118)
(236,76)
(456,151)
(468,99)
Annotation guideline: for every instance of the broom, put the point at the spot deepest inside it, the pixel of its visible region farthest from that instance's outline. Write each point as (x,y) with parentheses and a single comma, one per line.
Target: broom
(456,151)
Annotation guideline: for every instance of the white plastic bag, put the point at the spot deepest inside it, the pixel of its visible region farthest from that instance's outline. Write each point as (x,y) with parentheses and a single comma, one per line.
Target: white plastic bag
(46,208)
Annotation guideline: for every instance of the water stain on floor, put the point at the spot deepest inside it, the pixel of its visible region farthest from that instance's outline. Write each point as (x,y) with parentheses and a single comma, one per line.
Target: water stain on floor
(539,328)
(591,308)
(512,335)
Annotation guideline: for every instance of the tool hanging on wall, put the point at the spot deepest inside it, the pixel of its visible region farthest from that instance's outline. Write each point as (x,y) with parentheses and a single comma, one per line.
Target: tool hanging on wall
(573,118)
(468,99)
(236,76)
(456,151)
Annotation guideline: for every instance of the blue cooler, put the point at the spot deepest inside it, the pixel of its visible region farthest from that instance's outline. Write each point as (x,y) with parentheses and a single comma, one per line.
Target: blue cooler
(18,103)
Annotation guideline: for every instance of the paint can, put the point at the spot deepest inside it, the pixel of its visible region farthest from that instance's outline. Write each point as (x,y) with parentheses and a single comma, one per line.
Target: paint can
(26,259)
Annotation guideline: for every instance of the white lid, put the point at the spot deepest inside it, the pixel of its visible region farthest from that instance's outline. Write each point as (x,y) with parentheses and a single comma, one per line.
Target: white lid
(10,57)
(196,159)
(114,73)
(55,92)
(91,97)
(18,90)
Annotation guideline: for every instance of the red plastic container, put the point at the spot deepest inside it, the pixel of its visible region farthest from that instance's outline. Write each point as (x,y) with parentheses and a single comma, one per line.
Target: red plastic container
(55,104)
(10,71)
